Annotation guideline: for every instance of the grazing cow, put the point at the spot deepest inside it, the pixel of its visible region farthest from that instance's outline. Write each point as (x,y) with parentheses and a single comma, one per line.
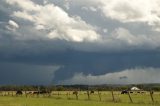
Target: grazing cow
(44,92)
(19,92)
(29,93)
(124,92)
(75,92)
(41,92)
(138,92)
(36,92)
(152,92)
(91,92)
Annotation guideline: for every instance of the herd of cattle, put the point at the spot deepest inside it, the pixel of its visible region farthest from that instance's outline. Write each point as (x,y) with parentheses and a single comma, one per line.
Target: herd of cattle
(19,92)
(126,92)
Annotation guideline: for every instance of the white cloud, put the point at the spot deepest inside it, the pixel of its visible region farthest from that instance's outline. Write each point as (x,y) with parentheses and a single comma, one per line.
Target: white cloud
(120,39)
(146,11)
(127,10)
(26,5)
(12,25)
(123,35)
(52,22)
(129,76)
(56,20)
(40,27)
(126,38)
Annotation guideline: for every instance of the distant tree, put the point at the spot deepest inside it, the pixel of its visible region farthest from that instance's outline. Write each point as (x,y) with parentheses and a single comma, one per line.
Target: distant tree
(60,88)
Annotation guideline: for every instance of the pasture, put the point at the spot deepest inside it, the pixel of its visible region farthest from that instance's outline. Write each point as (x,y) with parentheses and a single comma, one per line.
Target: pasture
(67,98)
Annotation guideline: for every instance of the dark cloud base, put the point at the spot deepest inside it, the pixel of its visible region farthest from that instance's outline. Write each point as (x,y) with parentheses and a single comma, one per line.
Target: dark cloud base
(71,61)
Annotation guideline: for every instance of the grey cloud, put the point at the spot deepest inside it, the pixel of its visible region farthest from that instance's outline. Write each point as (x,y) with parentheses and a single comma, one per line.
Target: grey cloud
(132,76)
(123,77)
(21,74)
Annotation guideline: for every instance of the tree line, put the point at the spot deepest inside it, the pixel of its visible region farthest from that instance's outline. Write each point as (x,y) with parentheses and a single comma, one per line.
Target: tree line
(146,87)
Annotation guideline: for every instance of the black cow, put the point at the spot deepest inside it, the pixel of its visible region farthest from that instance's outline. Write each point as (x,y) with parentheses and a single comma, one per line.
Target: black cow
(91,92)
(36,92)
(142,92)
(138,92)
(41,92)
(44,92)
(75,92)
(124,92)
(19,92)
(152,92)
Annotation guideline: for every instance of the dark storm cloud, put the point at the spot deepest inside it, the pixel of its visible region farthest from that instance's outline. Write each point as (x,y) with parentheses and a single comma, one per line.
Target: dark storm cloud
(20,74)
(95,63)
(45,53)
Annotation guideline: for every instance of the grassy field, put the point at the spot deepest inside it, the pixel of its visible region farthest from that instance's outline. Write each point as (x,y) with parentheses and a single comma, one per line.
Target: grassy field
(68,99)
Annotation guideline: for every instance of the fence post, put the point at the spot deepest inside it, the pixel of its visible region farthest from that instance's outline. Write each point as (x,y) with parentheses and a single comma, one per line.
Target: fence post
(25,93)
(38,92)
(88,95)
(130,98)
(99,94)
(151,94)
(76,95)
(113,98)
(12,93)
(58,93)
(67,95)
(49,93)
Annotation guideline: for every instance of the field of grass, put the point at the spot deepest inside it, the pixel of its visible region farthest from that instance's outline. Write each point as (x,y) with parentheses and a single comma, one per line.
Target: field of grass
(64,98)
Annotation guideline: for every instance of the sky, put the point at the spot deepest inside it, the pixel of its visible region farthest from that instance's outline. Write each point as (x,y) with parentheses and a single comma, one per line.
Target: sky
(45,42)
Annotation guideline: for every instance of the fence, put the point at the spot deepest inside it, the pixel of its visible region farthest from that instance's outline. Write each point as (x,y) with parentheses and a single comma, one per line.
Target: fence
(102,96)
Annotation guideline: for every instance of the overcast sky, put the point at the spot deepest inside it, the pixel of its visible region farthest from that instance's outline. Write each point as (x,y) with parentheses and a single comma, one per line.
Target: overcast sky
(79,41)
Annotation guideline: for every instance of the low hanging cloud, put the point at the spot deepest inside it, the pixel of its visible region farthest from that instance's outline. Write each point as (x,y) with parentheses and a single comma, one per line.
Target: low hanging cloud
(128,76)
(26,74)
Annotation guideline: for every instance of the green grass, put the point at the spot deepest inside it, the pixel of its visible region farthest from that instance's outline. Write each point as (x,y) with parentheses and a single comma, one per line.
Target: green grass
(70,100)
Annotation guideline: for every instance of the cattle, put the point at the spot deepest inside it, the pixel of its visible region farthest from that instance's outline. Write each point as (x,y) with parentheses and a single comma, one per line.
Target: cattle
(124,92)
(36,92)
(143,92)
(152,92)
(91,92)
(44,92)
(75,92)
(19,92)
(30,92)
(41,92)
(138,92)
